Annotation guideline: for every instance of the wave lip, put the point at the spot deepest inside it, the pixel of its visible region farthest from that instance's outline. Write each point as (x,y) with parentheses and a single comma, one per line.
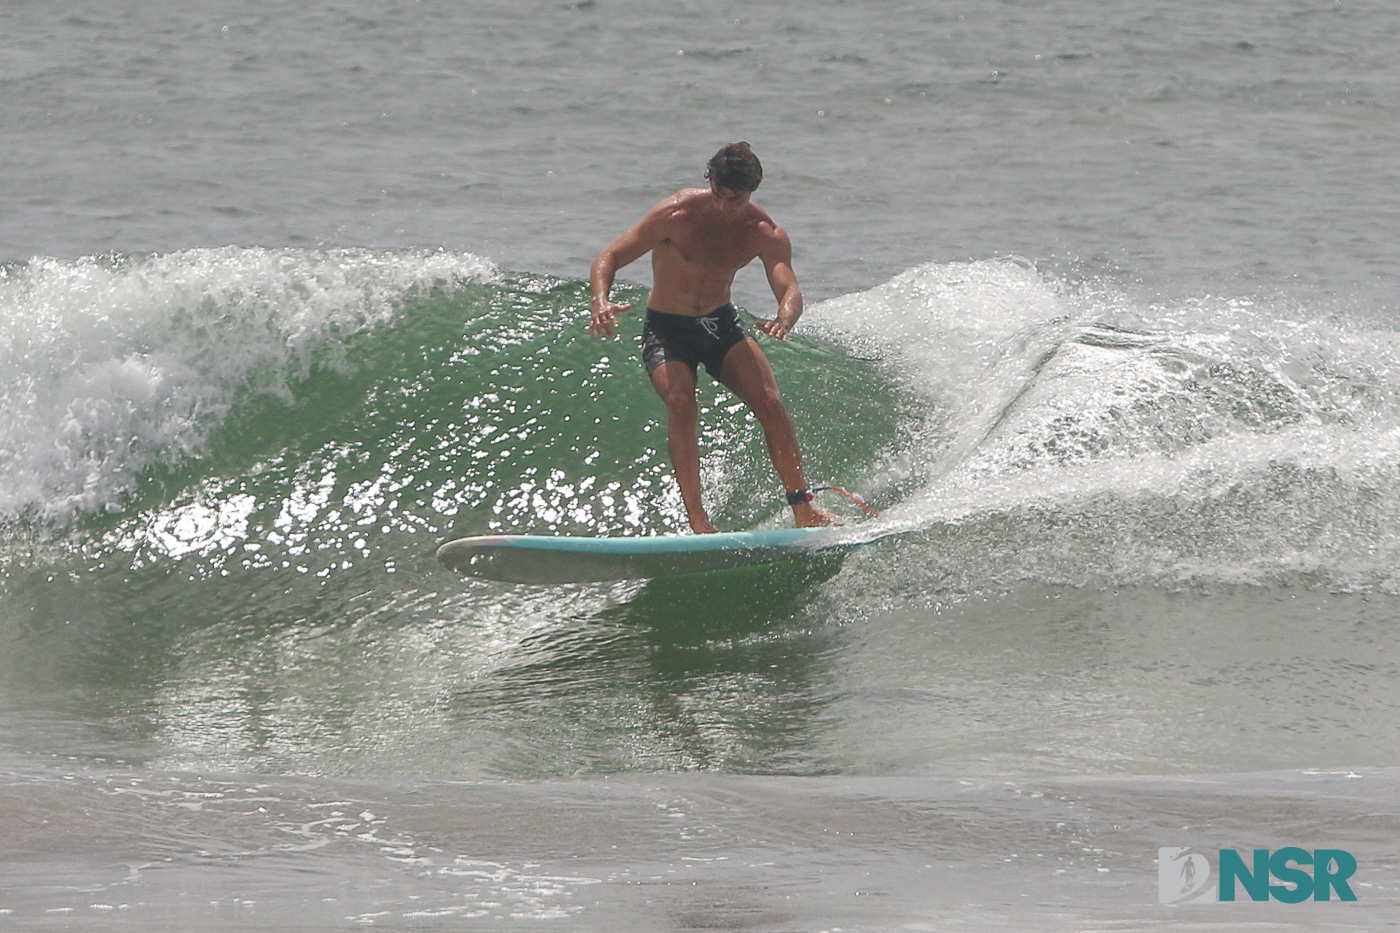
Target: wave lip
(113,365)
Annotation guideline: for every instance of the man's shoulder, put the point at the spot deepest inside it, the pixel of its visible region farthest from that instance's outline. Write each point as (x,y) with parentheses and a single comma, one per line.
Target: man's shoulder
(676,205)
(685,196)
(766,228)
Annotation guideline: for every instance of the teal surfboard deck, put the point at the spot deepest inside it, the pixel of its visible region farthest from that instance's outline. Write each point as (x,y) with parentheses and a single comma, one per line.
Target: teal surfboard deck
(546,559)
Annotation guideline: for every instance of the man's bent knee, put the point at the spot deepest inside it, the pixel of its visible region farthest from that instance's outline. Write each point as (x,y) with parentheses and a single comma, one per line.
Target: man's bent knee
(680,401)
(683,412)
(678,397)
(766,404)
(675,385)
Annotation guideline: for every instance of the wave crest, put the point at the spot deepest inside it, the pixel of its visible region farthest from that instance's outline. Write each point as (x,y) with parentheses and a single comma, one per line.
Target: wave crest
(112,365)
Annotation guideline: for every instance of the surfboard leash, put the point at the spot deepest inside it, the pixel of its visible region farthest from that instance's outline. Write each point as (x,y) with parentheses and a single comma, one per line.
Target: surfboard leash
(800,496)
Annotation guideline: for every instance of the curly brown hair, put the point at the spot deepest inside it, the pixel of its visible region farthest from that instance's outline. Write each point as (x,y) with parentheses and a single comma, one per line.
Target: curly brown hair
(735,167)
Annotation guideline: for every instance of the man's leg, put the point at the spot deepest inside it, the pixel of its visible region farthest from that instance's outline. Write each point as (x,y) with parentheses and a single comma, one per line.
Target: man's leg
(675,382)
(747,374)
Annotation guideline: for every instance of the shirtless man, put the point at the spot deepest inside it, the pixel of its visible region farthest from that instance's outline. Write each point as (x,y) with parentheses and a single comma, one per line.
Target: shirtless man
(698,239)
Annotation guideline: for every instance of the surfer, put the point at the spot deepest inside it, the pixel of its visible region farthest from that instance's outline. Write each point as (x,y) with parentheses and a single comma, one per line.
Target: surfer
(699,238)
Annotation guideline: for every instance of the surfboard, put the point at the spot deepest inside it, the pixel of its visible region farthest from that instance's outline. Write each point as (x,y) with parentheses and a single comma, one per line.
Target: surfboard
(545,559)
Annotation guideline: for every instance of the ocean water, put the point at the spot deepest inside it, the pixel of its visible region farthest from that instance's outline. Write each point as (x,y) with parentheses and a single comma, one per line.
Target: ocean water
(1101,319)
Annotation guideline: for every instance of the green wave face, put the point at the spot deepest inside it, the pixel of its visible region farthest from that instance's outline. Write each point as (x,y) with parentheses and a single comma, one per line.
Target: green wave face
(459,407)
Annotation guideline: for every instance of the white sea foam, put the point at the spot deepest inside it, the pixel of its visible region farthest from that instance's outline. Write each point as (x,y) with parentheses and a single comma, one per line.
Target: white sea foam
(1219,437)
(111,365)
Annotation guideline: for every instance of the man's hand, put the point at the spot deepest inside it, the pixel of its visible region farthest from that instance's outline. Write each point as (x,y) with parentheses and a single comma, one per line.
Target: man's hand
(603,319)
(773,328)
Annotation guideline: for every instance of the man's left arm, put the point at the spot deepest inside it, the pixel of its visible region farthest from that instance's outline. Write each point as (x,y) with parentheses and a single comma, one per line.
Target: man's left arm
(777,263)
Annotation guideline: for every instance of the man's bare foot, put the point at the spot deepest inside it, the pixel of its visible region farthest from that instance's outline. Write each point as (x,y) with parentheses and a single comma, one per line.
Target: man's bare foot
(702,526)
(810,516)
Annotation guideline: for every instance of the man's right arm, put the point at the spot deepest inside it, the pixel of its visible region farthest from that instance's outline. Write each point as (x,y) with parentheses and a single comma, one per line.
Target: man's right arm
(626,249)
(603,316)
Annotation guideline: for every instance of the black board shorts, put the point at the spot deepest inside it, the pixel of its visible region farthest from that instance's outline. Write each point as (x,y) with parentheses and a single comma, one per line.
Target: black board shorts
(692,340)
